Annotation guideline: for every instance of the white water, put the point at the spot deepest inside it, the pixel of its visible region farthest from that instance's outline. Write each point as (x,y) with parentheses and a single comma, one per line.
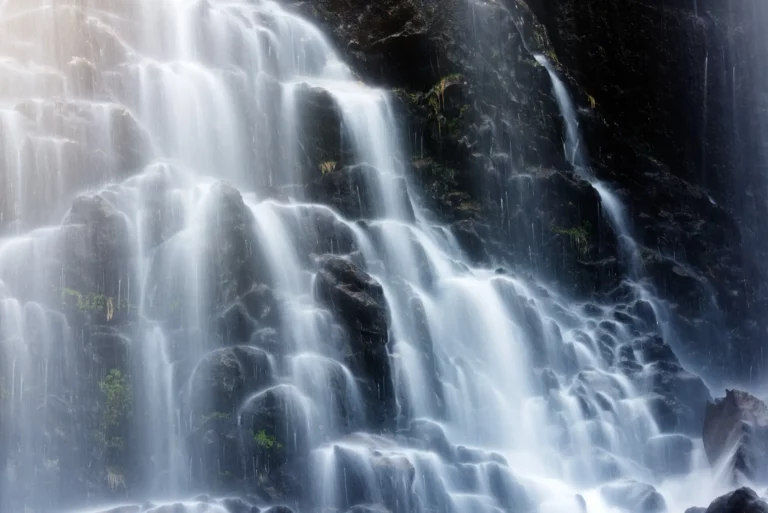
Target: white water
(703,483)
(509,396)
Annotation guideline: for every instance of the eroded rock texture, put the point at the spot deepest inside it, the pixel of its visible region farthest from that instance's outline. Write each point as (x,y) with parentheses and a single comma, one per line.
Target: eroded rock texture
(669,107)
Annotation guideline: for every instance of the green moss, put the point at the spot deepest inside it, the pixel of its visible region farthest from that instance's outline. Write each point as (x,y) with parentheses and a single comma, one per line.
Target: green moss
(552,56)
(266,441)
(579,236)
(217,415)
(118,405)
(92,303)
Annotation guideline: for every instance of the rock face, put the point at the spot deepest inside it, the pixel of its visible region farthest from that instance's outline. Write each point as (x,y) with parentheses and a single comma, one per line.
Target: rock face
(634,497)
(488,142)
(736,428)
(359,302)
(743,500)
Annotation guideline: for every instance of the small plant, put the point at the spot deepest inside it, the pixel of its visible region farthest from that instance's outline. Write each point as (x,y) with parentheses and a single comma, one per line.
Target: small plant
(217,415)
(115,478)
(579,236)
(328,166)
(592,101)
(552,56)
(89,303)
(117,408)
(266,441)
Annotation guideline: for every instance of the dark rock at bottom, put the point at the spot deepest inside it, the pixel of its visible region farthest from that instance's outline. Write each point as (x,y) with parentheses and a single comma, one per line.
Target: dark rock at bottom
(743,500)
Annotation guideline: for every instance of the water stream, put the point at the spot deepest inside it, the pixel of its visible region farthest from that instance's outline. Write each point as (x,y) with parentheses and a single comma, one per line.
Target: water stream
(150,191)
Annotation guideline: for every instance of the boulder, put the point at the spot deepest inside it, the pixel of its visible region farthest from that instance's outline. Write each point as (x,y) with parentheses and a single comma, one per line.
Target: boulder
(470,235)
(680,397)
(96,250)
(633,497)
(668,455)
(743,500)
(278,420)
(736,427)
(224,377)
(368,508)
(279,509)
(237,505)
(355,191)
(358,302)
(232,257)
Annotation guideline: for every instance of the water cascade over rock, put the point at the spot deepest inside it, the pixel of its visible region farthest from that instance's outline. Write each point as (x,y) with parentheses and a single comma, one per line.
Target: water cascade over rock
(221,290)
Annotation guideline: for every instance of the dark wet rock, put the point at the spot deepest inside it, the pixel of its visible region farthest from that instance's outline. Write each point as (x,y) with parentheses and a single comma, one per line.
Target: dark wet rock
(682,396)
(223,378)
(634,497)
(319,131)
(643,311)
(237,505)
(261,305)
(252,450)
(470,235)
(743,500)
(108,348)
(358,301)
(736,426)
(669,454)
(279,414)
(125,509)
(353,191)
(395,474)
(96,254)
(368,508)
(504,486)
(430,436)
(233,259)
(279,509)
(317,230)
(235,325)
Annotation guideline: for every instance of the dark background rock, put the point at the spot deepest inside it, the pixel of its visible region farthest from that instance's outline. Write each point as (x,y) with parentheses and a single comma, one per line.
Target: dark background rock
(743,500)
(665,119)
(738,424)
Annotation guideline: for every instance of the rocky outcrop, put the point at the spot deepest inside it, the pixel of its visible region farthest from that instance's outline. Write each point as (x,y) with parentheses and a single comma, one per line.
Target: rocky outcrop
(486,142)
(358,301)
(736,434)
(634,497)
(743,500)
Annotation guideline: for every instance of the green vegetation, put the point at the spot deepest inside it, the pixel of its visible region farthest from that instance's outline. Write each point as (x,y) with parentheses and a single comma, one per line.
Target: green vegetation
(84,302)
(92,303)
(118,403)
(115,478)
(266,441)
(552,56)
(579,236)
(328,166)
(217,415)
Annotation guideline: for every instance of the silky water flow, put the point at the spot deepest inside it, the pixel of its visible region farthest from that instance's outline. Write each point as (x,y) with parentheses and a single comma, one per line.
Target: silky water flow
(151,153)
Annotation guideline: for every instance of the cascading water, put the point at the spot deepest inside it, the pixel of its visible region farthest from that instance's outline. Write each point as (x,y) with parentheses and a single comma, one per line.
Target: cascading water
(174,336)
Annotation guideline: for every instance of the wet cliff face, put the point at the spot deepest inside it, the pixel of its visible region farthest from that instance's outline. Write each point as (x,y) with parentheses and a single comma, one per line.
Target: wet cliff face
(669,105)
(238,335)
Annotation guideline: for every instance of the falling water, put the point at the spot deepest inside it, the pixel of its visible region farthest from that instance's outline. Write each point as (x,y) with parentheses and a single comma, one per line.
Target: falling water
(171,317)
(577,157)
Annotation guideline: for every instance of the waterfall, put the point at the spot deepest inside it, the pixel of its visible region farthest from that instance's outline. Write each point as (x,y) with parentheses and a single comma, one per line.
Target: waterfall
(180,315)
(574,151)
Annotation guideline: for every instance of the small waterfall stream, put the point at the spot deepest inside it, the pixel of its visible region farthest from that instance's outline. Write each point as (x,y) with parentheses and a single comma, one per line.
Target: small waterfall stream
(162,253)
